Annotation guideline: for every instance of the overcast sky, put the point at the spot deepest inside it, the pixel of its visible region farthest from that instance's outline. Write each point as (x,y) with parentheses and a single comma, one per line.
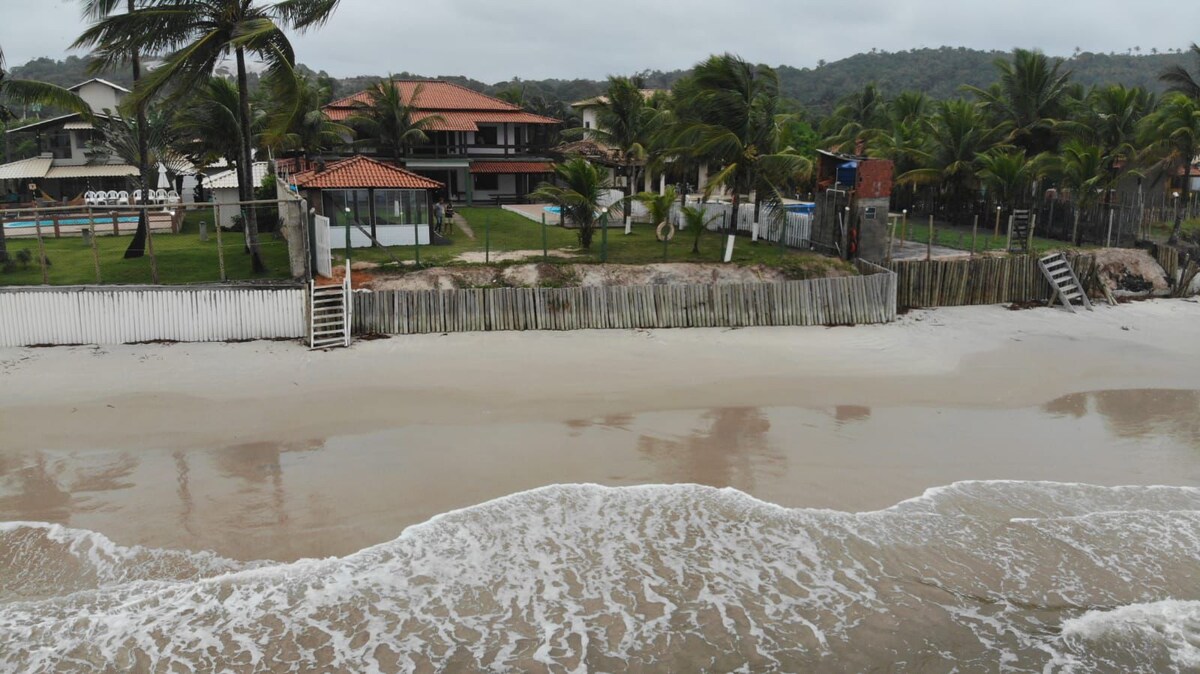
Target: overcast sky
(492,40)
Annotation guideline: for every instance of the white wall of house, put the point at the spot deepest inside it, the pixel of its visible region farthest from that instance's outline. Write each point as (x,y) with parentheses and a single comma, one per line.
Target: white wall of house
(589,117)
(387,235)
(507,185)
(99,96)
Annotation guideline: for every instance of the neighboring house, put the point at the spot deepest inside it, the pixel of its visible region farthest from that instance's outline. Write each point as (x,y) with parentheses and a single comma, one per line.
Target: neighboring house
(64,169)
(481,149)
(392,203)
(589,108)
(223,188)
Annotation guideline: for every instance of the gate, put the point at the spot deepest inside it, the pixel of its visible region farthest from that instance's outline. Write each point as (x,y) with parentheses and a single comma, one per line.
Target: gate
(322,246)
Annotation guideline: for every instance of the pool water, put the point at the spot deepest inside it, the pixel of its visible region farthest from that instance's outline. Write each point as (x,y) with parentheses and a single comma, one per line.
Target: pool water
(70,221)
(553,209)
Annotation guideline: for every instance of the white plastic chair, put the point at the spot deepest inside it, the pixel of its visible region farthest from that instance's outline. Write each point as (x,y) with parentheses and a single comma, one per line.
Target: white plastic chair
(123,198)
(137,196)
(89,198)
(112,197)
(160,196)
(172,198)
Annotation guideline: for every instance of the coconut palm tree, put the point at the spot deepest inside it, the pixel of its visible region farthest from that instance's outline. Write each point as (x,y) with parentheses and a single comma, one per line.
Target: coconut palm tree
(856,119)
(1172,137)
(1082,168)
(1179,80)
(197,34)
(207,125)
(958,135)
(658,206)
(625,123)
(304,128)
(1029,98)
(14,91)
(1007,174)
(581,196)
(129,140)
(730,117)
(98,10)
(389,122)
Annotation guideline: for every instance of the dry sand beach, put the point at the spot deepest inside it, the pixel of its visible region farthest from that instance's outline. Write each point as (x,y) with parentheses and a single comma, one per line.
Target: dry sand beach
(264,451)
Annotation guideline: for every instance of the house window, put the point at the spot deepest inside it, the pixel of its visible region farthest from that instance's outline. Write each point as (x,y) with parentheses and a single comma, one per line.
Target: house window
(587,124)
(487,181)
(486,135)
(401,207)
(59,144)
(337,201)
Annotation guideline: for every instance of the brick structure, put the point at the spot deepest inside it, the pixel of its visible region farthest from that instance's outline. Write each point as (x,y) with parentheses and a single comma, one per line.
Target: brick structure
(853,197)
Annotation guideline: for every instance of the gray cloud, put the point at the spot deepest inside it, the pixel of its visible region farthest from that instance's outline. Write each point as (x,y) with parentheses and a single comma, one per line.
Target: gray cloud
(535,39)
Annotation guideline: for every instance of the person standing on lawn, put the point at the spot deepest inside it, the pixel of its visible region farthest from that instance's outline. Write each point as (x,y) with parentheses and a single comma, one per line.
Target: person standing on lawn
(439,215)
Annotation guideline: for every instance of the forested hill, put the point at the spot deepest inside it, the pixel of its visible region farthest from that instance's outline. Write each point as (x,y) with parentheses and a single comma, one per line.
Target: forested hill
(939,72)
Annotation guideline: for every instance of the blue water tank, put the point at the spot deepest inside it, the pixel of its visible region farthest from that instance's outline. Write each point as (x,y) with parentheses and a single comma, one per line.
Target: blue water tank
(847,174)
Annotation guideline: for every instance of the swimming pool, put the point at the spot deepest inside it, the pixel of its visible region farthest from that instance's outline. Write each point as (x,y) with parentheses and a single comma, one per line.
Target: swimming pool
(557,210)
(71,222)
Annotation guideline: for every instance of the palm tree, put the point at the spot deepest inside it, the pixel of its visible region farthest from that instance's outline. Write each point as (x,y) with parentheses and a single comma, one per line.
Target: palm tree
(198,34)
(1083,169)
(1030,96)
(128,141)
(625,123)
(207,125)
(390,122)
(1006,174)
(303,128)
(658,206)
(29,91)
(1172,136)
(581,196)
(856,120)
(729,117)
(1179,80)
(98,10)
(697,219)
(958,135)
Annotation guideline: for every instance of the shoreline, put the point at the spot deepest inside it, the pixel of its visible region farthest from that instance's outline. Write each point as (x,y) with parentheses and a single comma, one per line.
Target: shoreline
(268,451)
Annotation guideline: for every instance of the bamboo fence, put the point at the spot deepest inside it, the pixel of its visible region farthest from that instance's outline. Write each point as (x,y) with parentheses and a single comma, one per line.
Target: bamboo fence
(983,280)
(866,299)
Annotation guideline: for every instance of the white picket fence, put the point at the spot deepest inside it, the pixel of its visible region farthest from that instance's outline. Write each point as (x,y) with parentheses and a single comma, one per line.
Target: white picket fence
(100,315)
(794,228)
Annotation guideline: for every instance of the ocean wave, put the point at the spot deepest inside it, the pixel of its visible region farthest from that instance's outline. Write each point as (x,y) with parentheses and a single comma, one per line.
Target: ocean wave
(977,575)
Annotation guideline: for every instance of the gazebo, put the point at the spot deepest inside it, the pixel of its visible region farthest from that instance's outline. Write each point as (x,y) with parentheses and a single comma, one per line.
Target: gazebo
(390,202)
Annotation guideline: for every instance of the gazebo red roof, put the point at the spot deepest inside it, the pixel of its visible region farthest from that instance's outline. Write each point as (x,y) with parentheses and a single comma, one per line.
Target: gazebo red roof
(361,172)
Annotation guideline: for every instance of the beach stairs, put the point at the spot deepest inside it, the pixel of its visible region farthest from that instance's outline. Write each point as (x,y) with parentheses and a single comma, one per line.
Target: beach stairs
(1018,234)
(329,314)
(1062,278)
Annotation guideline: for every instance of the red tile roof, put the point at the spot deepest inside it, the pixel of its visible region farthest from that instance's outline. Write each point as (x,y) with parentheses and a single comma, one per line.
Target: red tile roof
(461,108)
(512,167)
(362,173)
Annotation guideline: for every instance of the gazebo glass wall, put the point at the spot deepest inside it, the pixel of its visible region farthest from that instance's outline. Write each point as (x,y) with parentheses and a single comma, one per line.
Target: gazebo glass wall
(377,207)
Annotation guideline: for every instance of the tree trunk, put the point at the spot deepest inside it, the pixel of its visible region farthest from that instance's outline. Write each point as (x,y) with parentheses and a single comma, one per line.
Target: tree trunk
(1187,179)
(246,168)
(3,246)
(630,176)
(137,247)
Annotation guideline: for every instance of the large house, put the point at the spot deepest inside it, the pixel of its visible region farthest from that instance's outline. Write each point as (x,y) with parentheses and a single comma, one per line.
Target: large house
(480,148)
(64,168)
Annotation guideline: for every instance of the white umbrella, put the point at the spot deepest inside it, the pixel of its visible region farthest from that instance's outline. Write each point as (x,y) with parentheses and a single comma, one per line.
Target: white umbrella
(163,182)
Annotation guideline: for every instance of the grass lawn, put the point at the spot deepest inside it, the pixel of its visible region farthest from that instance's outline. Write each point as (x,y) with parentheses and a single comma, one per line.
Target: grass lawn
(507,231)
(960,237)
(182,258)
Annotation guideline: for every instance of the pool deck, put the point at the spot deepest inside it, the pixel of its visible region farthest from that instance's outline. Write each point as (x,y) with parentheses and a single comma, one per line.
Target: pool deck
(534,212)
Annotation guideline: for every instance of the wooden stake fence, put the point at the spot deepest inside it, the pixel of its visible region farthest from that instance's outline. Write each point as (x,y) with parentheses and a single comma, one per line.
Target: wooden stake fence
(866,299)
(982,280)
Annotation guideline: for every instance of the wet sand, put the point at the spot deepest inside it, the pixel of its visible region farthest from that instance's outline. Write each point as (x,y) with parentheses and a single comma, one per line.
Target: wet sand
(267,451)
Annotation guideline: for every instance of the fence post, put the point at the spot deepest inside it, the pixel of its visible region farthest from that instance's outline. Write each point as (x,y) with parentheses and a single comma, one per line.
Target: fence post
(37,225)
(545,243)
(974,234)
(929,246)
(604,237)
(416,244)
(220,246)
(1029,238)
(1108,239)
(117,225)
(57,227)
(487,240)
(1008,238)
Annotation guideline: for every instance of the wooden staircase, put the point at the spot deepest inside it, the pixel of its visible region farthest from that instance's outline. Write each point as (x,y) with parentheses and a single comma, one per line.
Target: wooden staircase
(329,314)
(1062,278)
(1018,234)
